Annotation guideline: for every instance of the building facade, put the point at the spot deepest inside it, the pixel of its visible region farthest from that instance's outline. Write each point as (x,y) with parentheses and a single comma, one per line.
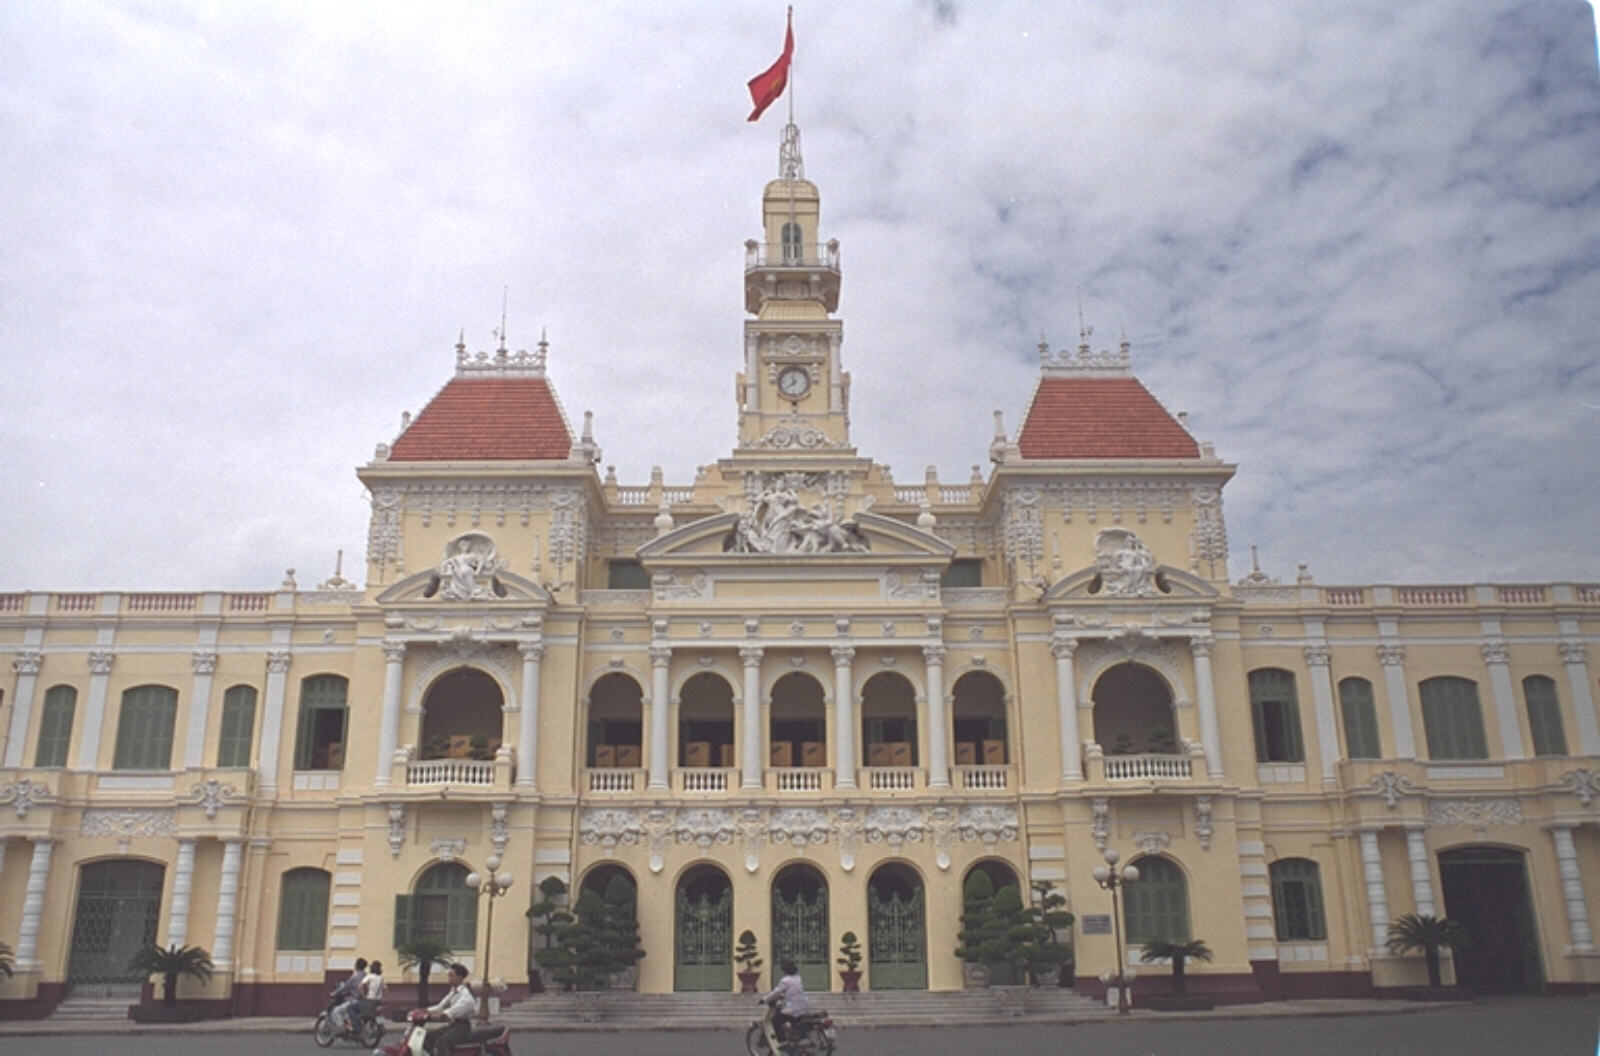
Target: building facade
(797,697)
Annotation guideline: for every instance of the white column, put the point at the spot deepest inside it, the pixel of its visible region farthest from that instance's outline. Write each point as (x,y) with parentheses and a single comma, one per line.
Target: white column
(94,715)
(1377,900)
(1393,659)
(938,719)
(750,754)
(26,665)
(182,886)
(1497,657)
(1320,659)
(1572,890)
(528,719)
(844,718)
(660,713)
(1421,879)
(272,720)
(1575,656)
(394,669)
(33,906)
(1206,701)
(227,905)
(204,663)
(1067,709)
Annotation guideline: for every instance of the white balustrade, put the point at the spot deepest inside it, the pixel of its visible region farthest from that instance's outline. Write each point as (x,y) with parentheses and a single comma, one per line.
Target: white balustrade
(450,772)
(615,779)
(891,778)
(1144,767)
(983,778)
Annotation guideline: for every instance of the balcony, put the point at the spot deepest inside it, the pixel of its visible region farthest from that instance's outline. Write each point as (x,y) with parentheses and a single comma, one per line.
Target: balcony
(799,779)
(692,780)
(613,780)
(991,778)
(893,778)
(453,775)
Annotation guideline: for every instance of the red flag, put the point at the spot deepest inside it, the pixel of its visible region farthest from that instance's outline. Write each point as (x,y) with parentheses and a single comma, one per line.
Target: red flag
(766,87)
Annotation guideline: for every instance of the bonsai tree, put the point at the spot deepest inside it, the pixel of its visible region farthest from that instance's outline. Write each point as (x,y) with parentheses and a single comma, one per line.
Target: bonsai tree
(849,961)
(551,913)
(169,963)
(423,954)
(7,961)
(620,935)
(746,955)
(978,925)
(600,940)
(1428,934)
(1179,953)
(1048,952)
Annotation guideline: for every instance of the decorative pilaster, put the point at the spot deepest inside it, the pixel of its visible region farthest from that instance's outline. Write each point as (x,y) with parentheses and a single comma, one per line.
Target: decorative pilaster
(1319,658)
(94,716)
(1063,649)
(844,718)
(204,662)
(1497,658)
(272,719)
(1421,879)
(26,665)
(1377,899)
(227,905)
(1393,659)
(660,711)
(1572,890)
(528,715)
(182,887)
(938,718)
(1575,657)
(33,906)
(394,667)
(750,751)
(1206,702)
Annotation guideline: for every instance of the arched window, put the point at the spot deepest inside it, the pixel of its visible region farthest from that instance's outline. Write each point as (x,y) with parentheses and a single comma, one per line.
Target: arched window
(55,726)
(238,726)
(1297,900)
(1452,718)
(1276,713)
(1544,715)
(1157,905)
(303,910)
(320,744)
(440,907)
(1360,719)
(144,729)
(793,248)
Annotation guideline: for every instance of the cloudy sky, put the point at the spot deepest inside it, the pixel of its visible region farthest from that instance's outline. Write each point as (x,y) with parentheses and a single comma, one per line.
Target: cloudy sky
(1358,241)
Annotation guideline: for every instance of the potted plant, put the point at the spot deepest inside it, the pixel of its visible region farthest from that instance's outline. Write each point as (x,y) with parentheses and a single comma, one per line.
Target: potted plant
(550,911)
(745,956)
(1049,955)
(169,963)
(1429,934)
(977,926)
(1179,953)
(849,962)
(423,955)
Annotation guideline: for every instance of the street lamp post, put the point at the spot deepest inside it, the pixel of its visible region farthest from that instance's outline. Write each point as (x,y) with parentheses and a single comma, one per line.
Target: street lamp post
(1109,877)
(494,885)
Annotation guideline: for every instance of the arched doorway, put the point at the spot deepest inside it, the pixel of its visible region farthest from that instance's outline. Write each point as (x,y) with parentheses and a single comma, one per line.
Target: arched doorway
(703,931)
(462,716)
(799,726)
(705,722)
(800,924)
(1133,712)
(897,932)
(1486,892)
(978,715)
(1000,875)
(119,905)
(616,724)
(889,721)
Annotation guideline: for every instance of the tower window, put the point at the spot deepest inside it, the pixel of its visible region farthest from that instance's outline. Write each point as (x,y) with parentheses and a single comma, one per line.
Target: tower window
(793,248)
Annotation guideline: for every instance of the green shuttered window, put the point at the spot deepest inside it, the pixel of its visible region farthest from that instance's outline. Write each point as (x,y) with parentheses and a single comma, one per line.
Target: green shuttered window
(55,726)
(1297,900)
(238,726)
(1275,711)
(1156,906)
(1453,719)
(303,910)
(144,729)
(1360,719)
(1544,716)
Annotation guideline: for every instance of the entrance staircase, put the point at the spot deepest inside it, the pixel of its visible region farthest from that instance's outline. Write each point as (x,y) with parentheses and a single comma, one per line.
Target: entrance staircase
(93,1009)
(882,1008)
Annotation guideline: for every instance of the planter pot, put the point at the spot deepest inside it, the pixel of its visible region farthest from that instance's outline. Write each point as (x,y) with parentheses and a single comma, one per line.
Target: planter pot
(748,981)
(163,1014)
(1179,1003)
(852,982)
(974,976)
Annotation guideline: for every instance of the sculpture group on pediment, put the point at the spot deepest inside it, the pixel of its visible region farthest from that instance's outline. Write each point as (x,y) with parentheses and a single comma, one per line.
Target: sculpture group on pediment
(467,572)
(1125,565)
(778,522)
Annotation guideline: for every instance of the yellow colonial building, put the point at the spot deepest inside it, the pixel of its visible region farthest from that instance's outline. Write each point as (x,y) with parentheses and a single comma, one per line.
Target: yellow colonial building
(796,696)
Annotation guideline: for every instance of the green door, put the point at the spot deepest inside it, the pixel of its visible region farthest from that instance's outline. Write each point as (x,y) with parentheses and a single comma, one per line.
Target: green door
(897,942)
(119,903)
(705,941)
(800,934)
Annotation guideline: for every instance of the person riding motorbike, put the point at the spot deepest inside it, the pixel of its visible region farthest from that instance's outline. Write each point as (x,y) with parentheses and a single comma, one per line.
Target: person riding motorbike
(788,1000)
(346,994)
(457,1006)
(369,997)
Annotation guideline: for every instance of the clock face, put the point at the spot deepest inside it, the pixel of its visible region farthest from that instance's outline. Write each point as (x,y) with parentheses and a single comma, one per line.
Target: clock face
(794,382)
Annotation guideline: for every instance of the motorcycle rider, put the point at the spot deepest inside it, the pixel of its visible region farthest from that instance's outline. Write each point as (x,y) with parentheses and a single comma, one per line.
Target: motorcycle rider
(369,997)
(346,993)
(457,1006)
(788,1000)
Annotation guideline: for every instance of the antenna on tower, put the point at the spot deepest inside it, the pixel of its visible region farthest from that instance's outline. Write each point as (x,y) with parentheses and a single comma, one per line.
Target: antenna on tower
(1083,331)
(505,302)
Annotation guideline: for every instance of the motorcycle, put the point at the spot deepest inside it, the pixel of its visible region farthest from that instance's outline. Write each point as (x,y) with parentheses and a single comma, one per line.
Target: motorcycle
(812,1034)
(363,1030)
(485,1041)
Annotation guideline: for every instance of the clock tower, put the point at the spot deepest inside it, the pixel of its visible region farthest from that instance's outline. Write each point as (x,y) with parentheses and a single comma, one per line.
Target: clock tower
(794,396)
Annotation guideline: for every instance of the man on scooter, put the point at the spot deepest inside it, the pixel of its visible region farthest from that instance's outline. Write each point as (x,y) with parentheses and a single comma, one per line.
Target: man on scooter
(346,993)
(788,999)
(457,1007)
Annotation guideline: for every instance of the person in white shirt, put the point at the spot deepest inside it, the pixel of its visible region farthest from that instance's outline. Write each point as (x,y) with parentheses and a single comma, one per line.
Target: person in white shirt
(457,1007)
(788,999)
(369,996)
(346,993)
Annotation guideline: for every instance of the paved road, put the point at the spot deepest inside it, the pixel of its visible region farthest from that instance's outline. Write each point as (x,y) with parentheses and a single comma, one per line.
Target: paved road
(1506,1027)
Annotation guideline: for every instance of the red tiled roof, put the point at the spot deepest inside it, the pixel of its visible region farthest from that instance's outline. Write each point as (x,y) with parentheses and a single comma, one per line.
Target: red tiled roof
(487,419)
(1101,418)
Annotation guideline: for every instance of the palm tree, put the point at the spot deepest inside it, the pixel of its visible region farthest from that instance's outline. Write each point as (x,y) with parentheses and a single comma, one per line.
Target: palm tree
(1179,953)
(423,954)
(7,964)
(1427,933)
(169,963)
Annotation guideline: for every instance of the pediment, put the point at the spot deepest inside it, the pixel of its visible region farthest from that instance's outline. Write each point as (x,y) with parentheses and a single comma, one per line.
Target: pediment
(865,538)
(1163,581)
(500,588)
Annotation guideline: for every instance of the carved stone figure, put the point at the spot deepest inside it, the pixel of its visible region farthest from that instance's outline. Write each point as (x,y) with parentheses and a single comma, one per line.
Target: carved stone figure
(467,571)
(1126,566)
(778,523)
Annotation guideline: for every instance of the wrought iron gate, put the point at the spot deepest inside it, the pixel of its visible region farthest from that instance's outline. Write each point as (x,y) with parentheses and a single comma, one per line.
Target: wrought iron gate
(705,942)
(119,904)
(897,941)
(800,933)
